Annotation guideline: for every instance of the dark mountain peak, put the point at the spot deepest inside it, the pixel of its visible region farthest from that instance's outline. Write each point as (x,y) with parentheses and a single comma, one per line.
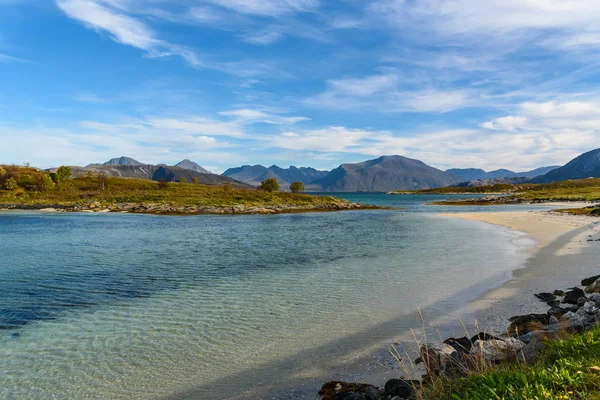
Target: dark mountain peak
(385,174)
(255,174)
(477,174)
(123,161)
(587,165)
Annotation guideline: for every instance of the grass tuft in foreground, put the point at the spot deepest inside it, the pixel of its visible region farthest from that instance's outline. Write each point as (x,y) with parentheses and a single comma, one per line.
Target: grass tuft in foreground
(567,369)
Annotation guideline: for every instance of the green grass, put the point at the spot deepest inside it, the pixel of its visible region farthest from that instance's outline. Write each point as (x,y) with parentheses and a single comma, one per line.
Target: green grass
(491,189)
(571,190)
(567,369)
(111,190)
(590,211)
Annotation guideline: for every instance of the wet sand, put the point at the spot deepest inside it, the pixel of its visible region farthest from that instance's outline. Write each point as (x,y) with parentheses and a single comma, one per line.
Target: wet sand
(568,250)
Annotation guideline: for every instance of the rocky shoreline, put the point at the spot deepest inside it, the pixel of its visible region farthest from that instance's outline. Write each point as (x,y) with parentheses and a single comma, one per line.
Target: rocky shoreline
(499,200)
(571,310)
(168,209)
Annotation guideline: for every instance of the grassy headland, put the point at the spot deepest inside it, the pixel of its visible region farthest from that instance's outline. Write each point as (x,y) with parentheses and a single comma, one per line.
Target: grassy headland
(29,188)
(587,190)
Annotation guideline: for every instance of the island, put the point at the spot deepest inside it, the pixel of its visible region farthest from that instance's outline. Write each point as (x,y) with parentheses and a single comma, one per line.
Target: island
(578,190)
(27,188)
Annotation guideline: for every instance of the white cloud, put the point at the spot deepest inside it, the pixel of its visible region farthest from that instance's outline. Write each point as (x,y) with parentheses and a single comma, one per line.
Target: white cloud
(117,19)
(262,38)
(251,116)
(544,134)
(271,8)
(331,139)
(509,123)
(562,23)
(122,28)
(7,58)
(385,93)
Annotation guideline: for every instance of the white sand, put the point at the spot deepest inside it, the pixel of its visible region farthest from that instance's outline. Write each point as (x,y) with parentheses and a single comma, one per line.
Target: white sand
(568,251)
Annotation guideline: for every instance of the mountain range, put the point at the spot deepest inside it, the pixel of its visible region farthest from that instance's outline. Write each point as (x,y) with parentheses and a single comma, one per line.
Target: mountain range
(473,174)
(584,166)
(386,173)
(255,174)
(129,168)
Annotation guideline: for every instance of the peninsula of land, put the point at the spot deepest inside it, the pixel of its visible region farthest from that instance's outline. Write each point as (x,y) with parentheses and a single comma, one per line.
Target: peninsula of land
(28,188)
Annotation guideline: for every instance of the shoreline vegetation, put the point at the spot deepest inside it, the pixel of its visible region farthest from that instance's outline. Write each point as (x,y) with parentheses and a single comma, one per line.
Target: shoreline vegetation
(551,355)
(581,190)
(25,188)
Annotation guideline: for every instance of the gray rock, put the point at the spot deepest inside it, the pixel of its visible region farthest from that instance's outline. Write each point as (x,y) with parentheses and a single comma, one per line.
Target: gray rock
(594,287)
(595,298)
(536,344)
(436,356)
(571,321)
(372,393)
(355,396)
(497,350)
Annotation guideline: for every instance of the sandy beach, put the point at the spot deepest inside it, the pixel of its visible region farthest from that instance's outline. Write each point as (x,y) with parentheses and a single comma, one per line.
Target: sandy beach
(568,250)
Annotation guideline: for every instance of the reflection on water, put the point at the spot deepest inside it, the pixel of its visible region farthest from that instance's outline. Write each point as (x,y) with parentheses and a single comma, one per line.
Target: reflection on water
(136,306)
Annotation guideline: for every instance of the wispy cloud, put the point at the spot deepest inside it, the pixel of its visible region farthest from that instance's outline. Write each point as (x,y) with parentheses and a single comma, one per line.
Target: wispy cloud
(254,116)
(118,19)
(563,24)
(385,93)
(270,8)
(7,58)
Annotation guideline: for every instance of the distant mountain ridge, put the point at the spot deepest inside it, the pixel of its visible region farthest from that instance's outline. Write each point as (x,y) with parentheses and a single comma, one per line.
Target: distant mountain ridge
(123,161)
(385,174)
(127,167)
(255,174)
(187,164)
(587,165)
(474,174)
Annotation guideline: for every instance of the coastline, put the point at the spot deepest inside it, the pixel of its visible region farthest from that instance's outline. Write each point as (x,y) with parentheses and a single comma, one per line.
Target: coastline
(168,209)
(567,249)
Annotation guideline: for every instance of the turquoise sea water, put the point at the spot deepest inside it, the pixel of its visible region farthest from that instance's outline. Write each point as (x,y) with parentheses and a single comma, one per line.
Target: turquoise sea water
(117,306)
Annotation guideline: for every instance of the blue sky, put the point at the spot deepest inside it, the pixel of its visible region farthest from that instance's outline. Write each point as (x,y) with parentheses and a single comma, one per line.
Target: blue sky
(455,83)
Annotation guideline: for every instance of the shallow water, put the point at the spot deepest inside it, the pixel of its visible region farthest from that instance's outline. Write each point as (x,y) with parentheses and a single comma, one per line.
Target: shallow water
(137,306)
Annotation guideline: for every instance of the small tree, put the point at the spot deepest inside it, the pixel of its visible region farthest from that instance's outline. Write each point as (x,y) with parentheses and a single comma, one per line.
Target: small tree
(103,180)
(2,171)
(182,180)
(297,187)
(27,182)
(195,180)
(269,185)
(11,184)
(46,183)
(64,173)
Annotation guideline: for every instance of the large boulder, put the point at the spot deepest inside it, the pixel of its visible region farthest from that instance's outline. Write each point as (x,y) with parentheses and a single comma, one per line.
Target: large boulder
(494,351)
(571,321)
(545,297)
(372,393)
(536,343)
(593,287)
(436,356)
(590,280)
(523,324)
(462,344)
(573,296)
(400,387)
